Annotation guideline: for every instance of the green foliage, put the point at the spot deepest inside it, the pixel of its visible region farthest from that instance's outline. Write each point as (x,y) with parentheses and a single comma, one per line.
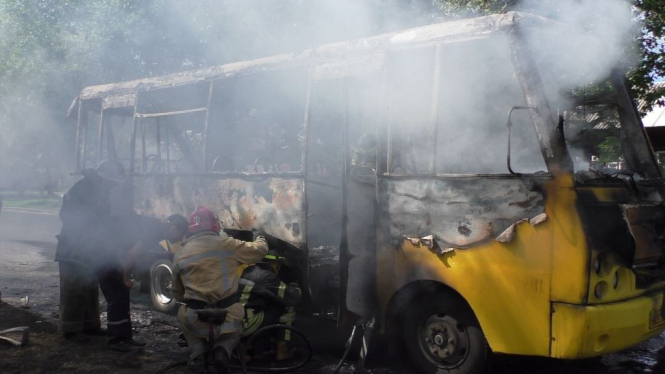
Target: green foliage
(650,43)
(609,150)
(466,8)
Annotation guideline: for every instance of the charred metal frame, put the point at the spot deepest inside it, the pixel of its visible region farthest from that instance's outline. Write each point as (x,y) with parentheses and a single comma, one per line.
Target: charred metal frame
(552,143)
(132,151)
(206,127)
(433,35)
(100,134)
(434,121)
(84,134)
(305,168)
(635,135)
(78,134)
(509,125)
(429,36)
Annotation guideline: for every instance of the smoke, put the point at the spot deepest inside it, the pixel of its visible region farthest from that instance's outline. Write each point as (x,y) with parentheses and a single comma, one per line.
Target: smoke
(595,40)
(87,43)
(231,30)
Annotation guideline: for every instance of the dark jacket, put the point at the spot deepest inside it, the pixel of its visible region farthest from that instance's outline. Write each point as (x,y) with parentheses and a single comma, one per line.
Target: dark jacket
(263,286)
(87,226)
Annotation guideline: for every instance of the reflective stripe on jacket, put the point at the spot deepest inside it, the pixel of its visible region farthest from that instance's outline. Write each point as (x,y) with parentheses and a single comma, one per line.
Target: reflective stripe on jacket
(262,285)
(206,268)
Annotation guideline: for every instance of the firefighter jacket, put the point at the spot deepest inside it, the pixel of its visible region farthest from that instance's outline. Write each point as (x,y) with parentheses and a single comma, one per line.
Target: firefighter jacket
(262,285)
(171,247)
(87,225)
(269,297)
(206,269)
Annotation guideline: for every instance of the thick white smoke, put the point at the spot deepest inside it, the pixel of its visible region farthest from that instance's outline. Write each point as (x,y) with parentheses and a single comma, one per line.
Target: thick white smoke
(598,38)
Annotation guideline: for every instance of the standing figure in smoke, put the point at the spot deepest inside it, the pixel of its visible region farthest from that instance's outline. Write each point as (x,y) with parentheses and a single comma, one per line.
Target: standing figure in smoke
(206,276)
(87,254)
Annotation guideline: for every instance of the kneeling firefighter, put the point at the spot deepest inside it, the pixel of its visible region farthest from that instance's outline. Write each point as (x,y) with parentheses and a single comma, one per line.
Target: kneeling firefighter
(205,275)
(269,294)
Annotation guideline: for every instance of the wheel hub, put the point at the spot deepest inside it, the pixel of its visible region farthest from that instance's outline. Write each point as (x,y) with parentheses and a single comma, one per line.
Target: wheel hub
(163,286)
(445,341)
(441,340)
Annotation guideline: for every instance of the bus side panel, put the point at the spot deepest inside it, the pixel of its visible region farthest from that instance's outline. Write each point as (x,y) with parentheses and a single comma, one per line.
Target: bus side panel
(506,284)
(570,254)
(460,213)
(273,204)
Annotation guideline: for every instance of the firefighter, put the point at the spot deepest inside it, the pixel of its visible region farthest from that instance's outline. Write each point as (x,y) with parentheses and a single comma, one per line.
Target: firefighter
(269,294)
(177,229)
(87,254)
(151,236)
(206,275)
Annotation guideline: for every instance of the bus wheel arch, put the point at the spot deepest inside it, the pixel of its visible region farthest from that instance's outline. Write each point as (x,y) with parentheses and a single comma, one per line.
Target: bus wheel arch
(441,333)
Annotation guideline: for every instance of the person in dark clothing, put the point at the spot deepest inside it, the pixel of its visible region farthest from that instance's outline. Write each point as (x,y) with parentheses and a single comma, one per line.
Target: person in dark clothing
(269,294)
(87,254)
(153,235)
(137,234)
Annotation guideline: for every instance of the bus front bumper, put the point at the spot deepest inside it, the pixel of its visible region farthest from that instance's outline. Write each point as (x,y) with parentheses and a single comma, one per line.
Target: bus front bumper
(580,331)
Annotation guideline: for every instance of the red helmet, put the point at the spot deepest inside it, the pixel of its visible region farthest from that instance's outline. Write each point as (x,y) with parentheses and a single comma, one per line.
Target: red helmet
(203,219)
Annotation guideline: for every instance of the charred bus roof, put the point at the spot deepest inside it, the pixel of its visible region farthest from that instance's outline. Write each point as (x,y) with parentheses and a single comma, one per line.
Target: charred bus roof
(359,52)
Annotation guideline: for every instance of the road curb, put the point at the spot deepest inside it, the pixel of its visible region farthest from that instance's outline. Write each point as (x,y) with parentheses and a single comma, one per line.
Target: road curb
(29,210)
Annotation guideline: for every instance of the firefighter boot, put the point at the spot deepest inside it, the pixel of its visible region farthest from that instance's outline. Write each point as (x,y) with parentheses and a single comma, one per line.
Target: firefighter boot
(197,364)
(221,360)
(247,354)
(284,352)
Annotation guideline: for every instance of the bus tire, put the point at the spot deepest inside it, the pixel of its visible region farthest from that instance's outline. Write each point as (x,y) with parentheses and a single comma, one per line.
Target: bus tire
(161,273)
(442,336)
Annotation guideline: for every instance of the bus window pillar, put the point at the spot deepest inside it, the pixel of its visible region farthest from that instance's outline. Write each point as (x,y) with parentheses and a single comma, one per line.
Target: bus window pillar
(206,127)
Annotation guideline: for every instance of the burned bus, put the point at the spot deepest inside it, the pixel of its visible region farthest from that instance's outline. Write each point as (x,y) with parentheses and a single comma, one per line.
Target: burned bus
(426,178)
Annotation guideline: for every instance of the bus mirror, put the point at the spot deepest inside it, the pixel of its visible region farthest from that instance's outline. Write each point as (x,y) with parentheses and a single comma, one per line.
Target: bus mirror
(509,124)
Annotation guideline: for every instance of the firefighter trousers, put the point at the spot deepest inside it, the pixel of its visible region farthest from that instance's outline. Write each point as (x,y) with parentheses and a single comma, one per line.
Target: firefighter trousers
(197,332)
(79,298)
(116,293)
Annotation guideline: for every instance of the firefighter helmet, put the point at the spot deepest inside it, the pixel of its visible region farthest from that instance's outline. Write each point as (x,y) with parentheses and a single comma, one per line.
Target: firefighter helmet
(111,169)
(273,256)
(203,219)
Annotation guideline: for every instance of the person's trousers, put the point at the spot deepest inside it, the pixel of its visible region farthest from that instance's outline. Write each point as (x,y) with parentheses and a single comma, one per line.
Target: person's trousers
(274,314)
(79,298)
(116,293)
(197,332)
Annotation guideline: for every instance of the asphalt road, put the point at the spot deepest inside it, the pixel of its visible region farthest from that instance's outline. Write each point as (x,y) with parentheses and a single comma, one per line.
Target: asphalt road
(27,247)
(27,269)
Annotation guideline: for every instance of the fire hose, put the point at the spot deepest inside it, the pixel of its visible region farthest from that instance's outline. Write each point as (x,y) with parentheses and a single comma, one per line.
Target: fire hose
(246,369)
(367,329)
(349,343)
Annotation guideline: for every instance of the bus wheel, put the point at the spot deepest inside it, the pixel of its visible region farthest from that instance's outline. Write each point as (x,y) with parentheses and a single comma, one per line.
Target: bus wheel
(161,274)
(443,336)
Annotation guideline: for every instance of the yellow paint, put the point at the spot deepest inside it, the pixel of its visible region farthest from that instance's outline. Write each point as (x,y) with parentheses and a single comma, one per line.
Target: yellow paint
(513,287)
(587,331)
(494,278)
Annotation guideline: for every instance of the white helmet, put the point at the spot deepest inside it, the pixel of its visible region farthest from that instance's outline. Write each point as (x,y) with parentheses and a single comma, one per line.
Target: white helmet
(111,169)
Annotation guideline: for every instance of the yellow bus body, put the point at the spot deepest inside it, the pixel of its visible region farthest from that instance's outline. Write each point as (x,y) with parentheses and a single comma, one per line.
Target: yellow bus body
(531,295)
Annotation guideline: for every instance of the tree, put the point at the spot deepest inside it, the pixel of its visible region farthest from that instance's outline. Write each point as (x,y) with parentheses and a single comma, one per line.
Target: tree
(649,43)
